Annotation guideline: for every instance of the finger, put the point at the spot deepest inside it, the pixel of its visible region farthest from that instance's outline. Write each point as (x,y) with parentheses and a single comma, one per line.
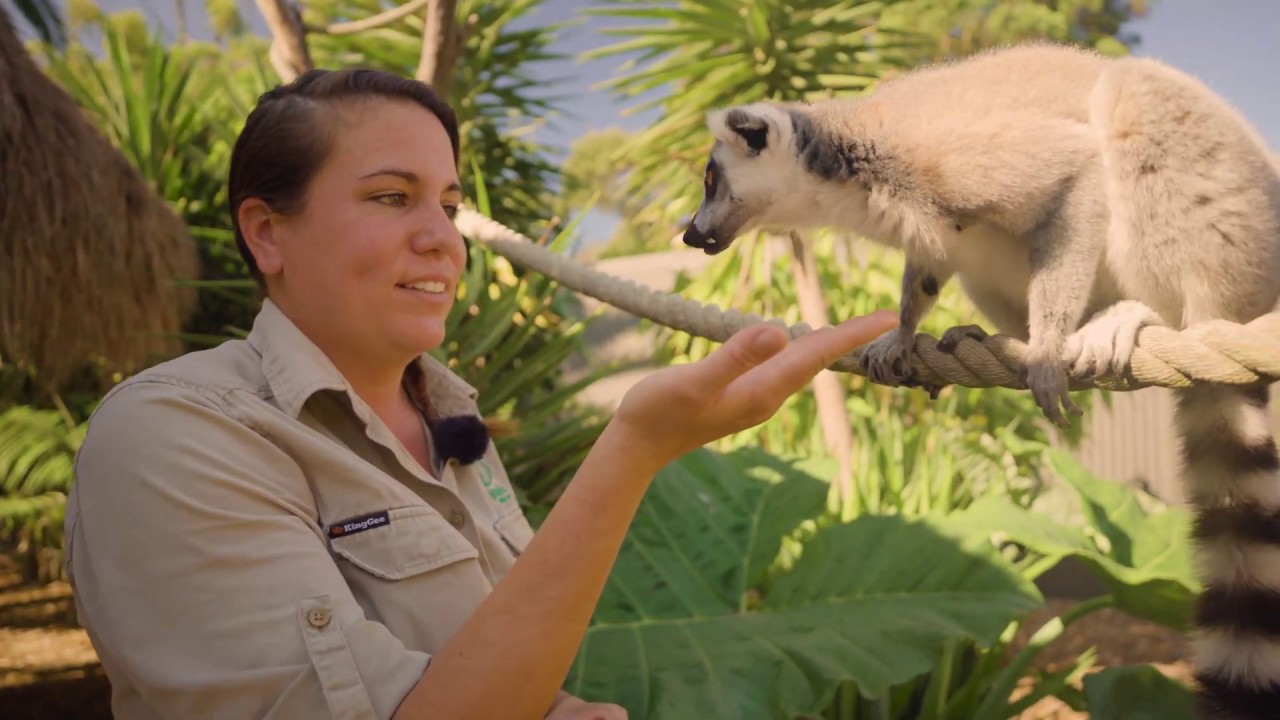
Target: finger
(744,350)
(805,356)
(818,350)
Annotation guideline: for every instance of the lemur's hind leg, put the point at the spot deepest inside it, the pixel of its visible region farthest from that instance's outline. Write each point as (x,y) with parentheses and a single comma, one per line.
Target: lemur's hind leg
(887,359)
(1064,255)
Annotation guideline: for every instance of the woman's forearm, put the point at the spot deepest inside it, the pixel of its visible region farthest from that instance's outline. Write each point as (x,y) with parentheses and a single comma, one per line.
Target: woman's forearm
(510,658)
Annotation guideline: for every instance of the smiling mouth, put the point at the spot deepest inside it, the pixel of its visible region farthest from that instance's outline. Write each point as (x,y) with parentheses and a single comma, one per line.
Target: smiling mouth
(430,287)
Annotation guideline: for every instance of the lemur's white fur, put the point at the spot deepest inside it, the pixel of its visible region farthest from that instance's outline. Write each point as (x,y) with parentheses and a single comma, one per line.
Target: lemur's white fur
(1076,198)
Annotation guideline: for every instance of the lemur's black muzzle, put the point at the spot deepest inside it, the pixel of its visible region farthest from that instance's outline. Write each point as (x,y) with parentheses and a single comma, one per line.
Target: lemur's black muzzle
(695,238)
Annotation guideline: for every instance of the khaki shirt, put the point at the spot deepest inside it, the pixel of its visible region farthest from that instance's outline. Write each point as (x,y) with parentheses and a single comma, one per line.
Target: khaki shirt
(206,547)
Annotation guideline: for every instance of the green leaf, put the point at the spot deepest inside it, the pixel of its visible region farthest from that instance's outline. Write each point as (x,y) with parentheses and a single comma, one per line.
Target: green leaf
(1149,566)
(679,633)
(1001,521)
(1143,557)
(1137,692)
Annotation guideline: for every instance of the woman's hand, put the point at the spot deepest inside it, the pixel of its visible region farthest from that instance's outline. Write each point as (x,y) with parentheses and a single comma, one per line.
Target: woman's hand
(739,385)
(569,707)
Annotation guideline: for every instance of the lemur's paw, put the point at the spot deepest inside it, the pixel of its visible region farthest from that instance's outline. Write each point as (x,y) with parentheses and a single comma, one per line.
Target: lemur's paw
(928,387)
(1045,375)
(952,336)
(887,359)
(1106,342)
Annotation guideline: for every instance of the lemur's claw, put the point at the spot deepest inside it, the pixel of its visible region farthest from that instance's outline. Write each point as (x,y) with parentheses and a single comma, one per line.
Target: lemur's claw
(1046,377)
(887,359)
(931,388)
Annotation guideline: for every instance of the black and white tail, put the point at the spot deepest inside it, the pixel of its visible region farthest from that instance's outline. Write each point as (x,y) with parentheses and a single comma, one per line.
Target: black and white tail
(1231,472)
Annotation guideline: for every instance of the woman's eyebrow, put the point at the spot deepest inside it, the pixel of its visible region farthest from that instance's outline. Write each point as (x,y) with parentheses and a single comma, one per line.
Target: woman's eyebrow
(408,175)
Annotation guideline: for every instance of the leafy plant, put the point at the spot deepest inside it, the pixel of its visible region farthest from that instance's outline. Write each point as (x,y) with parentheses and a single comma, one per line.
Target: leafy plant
(737,595)
(497,101)
(1137,692)
(1139,553)
(702,616)
(1138,547)
(37,452)
(952,28)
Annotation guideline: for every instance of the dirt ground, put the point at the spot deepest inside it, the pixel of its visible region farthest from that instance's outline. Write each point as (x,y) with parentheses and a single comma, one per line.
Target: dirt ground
(49,671)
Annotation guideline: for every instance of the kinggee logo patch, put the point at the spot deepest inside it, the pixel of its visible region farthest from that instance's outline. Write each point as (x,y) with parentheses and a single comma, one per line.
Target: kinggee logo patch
(359,524)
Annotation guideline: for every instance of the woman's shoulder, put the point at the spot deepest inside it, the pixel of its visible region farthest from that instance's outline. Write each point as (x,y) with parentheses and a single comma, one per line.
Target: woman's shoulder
(213,373)
(195,394)
(182,419)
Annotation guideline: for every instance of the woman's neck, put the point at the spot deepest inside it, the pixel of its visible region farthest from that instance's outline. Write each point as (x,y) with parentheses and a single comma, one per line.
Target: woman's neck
(375,379)
(381,386)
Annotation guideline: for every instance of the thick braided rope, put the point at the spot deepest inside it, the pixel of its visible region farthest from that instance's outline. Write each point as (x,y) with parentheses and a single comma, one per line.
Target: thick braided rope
(1218,351)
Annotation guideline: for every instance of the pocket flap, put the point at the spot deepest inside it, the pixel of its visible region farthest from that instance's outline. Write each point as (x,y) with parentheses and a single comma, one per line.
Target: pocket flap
(514,528)
(412,540)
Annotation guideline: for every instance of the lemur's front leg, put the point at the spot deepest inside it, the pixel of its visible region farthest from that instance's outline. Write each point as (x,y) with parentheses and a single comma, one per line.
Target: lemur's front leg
(887,359)
(1064,258)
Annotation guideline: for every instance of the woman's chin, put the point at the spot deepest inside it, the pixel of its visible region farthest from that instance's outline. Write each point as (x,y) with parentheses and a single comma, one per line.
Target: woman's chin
(422,335)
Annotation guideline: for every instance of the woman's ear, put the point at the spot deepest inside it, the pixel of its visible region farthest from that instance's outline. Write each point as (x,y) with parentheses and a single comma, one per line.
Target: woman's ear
(256,226)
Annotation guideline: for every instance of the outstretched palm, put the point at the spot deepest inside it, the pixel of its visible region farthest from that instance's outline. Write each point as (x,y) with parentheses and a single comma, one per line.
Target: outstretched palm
(738,386)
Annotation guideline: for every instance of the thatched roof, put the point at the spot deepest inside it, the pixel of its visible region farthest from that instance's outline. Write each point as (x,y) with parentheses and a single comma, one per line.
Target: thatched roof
(88,252)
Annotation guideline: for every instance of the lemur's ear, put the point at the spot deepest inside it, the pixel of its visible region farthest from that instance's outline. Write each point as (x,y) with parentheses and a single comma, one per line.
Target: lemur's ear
(745,128)
(753,129)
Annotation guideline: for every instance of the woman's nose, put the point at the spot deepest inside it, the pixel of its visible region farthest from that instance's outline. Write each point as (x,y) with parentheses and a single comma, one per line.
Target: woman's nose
(436,232)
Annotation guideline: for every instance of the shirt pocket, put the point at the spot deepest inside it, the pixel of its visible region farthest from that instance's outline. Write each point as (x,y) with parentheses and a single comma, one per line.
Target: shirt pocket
(514,530)
(411,541)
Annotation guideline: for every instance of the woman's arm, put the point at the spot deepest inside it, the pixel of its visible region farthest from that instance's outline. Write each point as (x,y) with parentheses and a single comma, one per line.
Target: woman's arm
(520,643)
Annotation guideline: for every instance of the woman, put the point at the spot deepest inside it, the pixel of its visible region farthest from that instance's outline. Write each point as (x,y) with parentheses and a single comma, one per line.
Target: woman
(283,526)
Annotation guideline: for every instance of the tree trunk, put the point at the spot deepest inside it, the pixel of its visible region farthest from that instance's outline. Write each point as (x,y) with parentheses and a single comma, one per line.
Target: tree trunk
(441,41)
(89,253)
(837,432)
(289,54)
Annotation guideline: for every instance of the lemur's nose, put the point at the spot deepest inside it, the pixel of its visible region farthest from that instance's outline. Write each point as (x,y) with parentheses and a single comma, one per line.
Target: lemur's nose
(694,238)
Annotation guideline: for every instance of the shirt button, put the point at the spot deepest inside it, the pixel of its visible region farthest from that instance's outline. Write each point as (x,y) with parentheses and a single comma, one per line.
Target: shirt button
(457,518)
(318,618)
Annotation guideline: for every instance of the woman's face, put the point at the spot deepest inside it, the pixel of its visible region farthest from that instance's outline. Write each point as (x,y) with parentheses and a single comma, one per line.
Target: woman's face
(371,264)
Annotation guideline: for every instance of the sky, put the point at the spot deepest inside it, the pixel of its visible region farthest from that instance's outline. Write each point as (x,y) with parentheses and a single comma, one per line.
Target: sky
(1231,45)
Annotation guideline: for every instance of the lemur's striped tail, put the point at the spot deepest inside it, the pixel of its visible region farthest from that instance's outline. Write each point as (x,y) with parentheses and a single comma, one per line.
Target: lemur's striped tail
(1231,472)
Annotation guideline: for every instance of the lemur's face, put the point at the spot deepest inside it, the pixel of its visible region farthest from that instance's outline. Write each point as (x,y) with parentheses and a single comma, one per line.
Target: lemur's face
(746,176)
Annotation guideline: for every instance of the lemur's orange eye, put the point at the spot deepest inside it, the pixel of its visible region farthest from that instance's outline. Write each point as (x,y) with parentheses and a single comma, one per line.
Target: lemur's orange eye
(709,177)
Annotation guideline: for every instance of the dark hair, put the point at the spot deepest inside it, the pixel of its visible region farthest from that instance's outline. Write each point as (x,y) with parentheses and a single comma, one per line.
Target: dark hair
(285,139)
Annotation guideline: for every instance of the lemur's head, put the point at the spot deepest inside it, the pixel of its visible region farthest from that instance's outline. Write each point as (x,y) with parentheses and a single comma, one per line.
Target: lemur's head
(750,177)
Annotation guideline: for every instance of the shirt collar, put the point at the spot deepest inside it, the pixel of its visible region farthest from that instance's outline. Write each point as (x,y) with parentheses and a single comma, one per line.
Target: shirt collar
(295,369)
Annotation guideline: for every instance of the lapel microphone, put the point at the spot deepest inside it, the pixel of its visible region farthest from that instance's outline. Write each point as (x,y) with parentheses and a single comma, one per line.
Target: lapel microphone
(464,437)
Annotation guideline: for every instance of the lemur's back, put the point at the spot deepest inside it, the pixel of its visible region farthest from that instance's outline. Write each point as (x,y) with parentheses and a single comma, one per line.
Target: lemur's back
(1053,81)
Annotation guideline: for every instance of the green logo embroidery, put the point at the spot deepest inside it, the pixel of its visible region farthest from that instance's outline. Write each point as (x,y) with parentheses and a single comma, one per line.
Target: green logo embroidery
(497,492)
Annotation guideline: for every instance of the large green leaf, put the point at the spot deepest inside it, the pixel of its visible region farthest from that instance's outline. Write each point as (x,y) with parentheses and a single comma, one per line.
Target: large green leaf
(679,632)
(1137,692)
(1143,556)
(1149,566)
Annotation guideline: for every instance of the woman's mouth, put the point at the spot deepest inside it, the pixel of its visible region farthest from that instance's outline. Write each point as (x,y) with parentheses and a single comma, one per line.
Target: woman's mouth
(433,287)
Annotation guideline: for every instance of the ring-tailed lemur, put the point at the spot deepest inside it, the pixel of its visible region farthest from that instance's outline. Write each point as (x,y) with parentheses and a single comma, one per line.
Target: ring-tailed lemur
(1057,185)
